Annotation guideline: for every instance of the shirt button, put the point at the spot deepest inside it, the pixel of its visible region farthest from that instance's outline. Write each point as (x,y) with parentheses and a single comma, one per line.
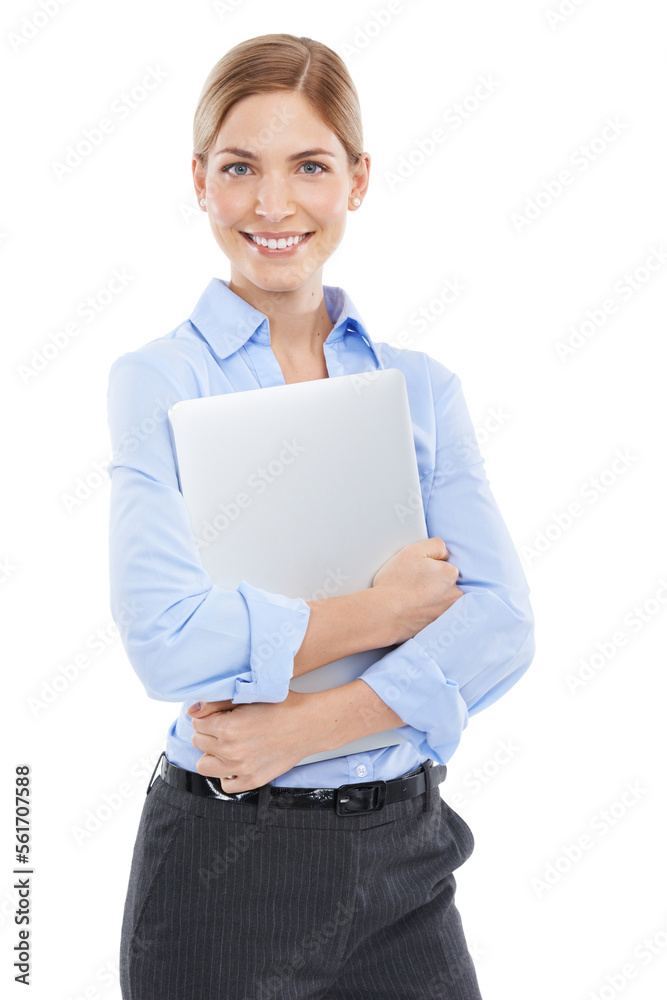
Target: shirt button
(361,770)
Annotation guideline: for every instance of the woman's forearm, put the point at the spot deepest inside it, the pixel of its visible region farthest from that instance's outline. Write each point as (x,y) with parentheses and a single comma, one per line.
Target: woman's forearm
(346,713)
(340,626)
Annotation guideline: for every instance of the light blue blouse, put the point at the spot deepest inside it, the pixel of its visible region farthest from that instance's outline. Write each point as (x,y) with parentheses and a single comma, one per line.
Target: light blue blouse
(189,640)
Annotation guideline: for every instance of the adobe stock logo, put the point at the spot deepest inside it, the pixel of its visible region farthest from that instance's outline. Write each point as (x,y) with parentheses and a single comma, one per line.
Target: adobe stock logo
(554,188)
(453,119)
(34,23)
(634,621)
(597,316)
(258,481)
(591,491)
(599,825)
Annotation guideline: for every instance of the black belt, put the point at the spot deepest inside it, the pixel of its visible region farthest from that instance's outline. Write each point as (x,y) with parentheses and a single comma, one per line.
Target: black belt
(366,796)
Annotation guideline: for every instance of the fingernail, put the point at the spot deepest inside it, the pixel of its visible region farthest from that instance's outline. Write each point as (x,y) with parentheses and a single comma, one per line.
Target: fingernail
(195,707)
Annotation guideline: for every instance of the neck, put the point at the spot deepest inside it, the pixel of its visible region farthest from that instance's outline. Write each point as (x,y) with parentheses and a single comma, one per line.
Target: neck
(298,319)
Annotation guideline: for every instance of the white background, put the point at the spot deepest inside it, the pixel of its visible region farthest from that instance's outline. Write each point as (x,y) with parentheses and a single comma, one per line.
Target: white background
(130,205)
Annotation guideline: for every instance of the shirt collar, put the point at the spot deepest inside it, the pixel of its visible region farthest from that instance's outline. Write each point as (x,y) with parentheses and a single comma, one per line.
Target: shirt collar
(226,321)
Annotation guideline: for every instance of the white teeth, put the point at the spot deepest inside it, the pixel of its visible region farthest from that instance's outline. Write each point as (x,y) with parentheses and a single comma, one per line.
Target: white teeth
(277,244)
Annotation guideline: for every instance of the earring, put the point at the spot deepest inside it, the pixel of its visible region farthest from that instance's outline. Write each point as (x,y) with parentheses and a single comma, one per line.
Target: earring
(202,201)
(356,201)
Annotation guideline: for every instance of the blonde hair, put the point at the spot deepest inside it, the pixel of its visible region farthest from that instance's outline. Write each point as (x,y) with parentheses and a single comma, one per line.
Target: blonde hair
(269,63)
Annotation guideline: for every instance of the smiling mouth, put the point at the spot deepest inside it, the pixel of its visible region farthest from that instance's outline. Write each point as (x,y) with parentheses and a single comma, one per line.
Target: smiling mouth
(278,243)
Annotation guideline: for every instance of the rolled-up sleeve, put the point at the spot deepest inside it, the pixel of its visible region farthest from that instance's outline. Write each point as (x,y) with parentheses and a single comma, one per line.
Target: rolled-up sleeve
(186,638)
(480,646)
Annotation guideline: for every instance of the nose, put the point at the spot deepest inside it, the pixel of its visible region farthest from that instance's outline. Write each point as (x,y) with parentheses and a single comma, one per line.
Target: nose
(274,201)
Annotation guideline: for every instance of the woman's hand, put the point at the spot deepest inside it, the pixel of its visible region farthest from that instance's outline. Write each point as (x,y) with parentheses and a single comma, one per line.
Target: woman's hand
(255,742)
(422,583)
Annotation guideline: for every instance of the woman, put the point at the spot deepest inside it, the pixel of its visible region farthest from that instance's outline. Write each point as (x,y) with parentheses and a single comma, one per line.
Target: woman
(254,876)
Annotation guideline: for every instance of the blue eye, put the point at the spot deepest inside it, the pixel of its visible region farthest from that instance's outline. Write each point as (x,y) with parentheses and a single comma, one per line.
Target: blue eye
(238,163)
(230,165)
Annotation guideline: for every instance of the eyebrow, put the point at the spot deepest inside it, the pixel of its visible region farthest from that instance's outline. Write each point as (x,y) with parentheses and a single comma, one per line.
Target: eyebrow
(248,155)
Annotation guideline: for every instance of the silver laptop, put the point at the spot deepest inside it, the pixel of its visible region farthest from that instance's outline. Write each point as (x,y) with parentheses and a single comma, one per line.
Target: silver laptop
(305,490)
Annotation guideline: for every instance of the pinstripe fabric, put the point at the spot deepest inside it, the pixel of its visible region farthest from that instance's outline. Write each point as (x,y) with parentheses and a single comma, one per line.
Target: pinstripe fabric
(237,901)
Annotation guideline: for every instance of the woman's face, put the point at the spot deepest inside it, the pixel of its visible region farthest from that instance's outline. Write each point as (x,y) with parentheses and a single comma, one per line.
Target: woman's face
(276,170)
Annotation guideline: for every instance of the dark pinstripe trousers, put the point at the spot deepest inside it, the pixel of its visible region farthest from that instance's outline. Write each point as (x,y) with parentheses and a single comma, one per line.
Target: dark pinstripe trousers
(241,901)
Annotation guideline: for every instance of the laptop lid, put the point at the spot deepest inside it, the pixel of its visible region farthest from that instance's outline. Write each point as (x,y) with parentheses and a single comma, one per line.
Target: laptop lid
(306,490)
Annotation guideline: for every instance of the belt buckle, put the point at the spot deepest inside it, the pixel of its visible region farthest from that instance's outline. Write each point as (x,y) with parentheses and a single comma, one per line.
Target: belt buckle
(369,796)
